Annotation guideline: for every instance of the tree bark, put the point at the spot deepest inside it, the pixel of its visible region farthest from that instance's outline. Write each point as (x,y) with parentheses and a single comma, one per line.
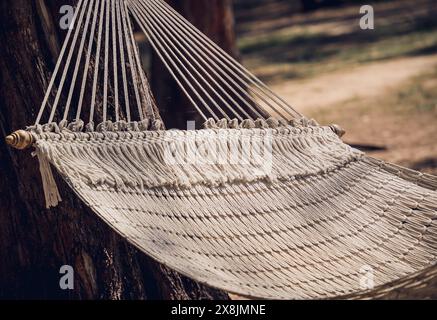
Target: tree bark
(36,242)
(215,18)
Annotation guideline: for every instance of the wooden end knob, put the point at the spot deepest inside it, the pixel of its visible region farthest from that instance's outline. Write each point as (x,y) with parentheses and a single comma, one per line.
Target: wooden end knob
(20,140)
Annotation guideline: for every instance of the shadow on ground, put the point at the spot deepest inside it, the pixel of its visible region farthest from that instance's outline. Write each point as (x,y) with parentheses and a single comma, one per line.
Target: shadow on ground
(426,165)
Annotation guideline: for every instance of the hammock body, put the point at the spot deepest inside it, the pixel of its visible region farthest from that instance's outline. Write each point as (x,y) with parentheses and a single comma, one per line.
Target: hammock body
(259,206)
(309,226)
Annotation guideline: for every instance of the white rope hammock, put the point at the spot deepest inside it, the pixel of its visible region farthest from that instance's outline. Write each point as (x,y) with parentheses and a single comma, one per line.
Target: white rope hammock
(297,215)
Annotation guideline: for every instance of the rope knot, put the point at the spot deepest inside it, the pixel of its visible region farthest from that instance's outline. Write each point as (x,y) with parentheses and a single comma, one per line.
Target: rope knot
(63,125)
(248,124)
(120,125)
(261,123)
(133,126)
(222,123)
(105,126)
(89,127)
(76,126)
(303,122)
(339,131)
(210,124)
(143,125)
(233,124)
(295,123)
(51,127)
(272,122)
(36,128)
(158,125)
(313,123)
(283,122)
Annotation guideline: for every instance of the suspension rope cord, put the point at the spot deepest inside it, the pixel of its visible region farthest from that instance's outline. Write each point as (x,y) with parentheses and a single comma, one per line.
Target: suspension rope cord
(135,61)
(97,61)
(114,61)
(221,56)
(106,63)
(123,61)
(179,66)
(68,62)
(164,27)
(131,59)
(161,54)
(58,63)
(162,36)
(200,56)
(88,59)
(78,60)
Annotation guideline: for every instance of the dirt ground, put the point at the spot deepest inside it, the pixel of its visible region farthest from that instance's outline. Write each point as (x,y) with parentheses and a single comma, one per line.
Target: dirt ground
(361,82)
(377,105)
(381,85)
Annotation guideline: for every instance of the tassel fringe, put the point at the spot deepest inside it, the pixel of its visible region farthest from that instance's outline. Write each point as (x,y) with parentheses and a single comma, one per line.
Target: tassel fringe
(51,192)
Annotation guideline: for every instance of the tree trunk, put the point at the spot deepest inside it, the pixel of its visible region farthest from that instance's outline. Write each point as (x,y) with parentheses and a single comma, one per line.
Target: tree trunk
(215,18)
(35,242)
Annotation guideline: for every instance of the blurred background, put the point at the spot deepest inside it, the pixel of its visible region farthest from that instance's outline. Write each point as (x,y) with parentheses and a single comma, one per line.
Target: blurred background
(380,85)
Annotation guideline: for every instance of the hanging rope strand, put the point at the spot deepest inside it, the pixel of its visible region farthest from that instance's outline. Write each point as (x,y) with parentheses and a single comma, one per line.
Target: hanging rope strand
(181,67)
(78,60)
(136,68)
(58,63)
(171,45)
(131,59)
(222,56)
(167,61)
(88,59)
(123,62)
(115,62)
(97,61)
(106,62)
(163,25)
(68,62)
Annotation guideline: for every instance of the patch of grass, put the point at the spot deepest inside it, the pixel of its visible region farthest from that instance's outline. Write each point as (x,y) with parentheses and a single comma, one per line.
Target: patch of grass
(420,95)
(414,43)
(280,38)
(302,50)
(310,59)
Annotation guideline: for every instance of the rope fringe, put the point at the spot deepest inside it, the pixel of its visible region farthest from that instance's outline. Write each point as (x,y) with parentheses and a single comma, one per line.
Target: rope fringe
(184,159)
(51,192)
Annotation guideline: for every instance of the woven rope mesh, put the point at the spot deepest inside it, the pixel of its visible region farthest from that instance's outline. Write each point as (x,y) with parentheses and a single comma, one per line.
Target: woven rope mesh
(304,229)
